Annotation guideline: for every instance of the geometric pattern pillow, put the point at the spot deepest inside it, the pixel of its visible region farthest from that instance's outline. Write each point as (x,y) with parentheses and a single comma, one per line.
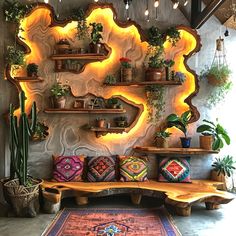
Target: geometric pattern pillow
(101,169)
(68,168)
(174,170)
(133,169)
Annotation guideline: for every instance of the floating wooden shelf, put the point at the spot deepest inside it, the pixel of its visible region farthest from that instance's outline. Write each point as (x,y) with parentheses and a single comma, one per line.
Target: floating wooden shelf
(146,83)
(103,131)
(184,151)
(180,195)
(85,56)
(29,79)
(83,111)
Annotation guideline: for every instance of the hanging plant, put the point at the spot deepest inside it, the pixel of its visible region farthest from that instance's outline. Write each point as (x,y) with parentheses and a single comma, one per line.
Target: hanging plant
(155,102)
(15,56)
(82,27)
(15,11)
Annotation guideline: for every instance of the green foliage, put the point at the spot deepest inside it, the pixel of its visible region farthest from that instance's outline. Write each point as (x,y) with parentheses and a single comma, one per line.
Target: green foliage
(173,35)
(15,11)
(20,131)
(112,101)
(162,134)
(217,131)
(155,102)
(32,68)
(121,118)
(15,56)
(169,63)
(110,79)
(41,131)
(156,62)
(155,37)
(59,89)
(95,33)
(179,76)
(82,27)
(224,165)
(180,122)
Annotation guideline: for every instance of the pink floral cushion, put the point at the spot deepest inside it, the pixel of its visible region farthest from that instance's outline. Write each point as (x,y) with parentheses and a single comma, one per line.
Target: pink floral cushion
(68,168)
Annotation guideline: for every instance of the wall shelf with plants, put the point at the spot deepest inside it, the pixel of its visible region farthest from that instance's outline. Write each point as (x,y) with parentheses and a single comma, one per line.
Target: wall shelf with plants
(83,111)
(103,131)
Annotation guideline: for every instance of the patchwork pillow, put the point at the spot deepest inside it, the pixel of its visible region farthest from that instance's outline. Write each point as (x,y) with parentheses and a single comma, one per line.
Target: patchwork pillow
(174,169)
(68,168)
(133,169)
(101,169)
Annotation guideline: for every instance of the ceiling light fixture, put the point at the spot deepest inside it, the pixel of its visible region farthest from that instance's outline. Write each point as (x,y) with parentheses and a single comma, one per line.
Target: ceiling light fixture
(46,1)
(185,3)
(146,13)
(156,3)
(127,4)
(95,0)
(175,4)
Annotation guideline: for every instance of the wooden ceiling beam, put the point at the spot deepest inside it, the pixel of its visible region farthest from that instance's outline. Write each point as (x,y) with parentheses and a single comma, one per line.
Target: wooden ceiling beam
(198,17)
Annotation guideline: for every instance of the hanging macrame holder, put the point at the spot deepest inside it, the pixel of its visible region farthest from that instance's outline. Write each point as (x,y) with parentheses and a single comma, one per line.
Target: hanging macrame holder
(219,60)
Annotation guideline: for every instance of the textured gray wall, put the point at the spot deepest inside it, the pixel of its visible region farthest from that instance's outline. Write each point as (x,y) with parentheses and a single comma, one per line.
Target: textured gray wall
(41,161)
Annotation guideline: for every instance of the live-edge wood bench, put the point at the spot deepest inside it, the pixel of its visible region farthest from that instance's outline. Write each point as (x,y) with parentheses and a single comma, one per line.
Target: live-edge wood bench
(181,196)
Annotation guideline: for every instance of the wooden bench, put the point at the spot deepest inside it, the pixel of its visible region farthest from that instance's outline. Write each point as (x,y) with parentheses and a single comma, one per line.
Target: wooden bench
(181,196)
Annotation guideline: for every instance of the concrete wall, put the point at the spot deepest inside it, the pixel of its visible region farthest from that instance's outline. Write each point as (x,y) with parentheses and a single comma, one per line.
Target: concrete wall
(166,17)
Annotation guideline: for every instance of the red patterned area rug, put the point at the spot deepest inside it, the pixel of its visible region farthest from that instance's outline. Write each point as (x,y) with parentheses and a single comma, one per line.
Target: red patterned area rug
(112,222)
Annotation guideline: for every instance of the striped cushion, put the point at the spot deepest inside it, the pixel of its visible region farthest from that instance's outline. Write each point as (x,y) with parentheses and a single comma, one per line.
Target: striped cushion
(101,169)
(174,169)
(133,169)
(68,168)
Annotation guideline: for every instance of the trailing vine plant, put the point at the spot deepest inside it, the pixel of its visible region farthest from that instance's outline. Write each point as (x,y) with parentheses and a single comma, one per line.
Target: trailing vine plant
(155,102)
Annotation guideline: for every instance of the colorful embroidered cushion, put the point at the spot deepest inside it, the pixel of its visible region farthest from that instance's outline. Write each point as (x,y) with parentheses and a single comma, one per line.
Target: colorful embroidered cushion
(133,169)
(101,169)
(68,168)
(174,169)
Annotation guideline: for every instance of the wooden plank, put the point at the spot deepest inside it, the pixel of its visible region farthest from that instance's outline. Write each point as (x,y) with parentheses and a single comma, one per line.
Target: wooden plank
(145,83)
(207,12)
(29,79)
(185,151)
(83,111)
(108,130)
(86,56)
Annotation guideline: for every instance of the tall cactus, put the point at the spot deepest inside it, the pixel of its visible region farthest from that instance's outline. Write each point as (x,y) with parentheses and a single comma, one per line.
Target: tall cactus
(20,132)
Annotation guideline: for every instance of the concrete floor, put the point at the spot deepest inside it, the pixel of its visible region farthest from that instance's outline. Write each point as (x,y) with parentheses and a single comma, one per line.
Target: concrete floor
(200,223)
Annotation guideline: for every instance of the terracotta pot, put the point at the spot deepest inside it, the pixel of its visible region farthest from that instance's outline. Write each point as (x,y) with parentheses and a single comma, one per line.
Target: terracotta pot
(95,48)
(101,123)
(206,142)
(219,178)
(59,102)
(126,74)
(153,74)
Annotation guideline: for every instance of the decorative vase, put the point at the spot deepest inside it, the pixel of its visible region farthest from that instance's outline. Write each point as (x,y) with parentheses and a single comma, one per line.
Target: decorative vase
(126,74)
(185,142)
(101,123)
(153,74)
(95,48)
(167,69)
(59,102)
(206,142)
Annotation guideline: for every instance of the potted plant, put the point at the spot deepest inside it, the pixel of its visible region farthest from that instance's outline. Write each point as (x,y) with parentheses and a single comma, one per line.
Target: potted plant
(162,136)
(32,70)
(213,135)
(113,103)
(121,121)
(223,168)
(41,132)
(217,75)
(168,63)
(21,192)
(59,91)
(62,46)
(96,37)
(179,76)
(181,123)
(82,27)
(110,80)
(100,122)
(126,69)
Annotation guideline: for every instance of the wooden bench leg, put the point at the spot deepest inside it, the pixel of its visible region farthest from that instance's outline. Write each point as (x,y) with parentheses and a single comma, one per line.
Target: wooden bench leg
(183,211)
(136,198)
(81,200)
(212,206)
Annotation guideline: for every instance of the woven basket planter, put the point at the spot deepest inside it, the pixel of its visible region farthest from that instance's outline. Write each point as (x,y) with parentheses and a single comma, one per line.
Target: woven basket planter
(216,82)
(24,200)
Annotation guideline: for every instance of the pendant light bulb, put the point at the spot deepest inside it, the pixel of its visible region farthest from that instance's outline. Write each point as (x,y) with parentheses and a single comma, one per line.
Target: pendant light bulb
(46,1)
(146,13)
(175,4)
(127,6)
(185,3)
(95,0)
(156,3)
